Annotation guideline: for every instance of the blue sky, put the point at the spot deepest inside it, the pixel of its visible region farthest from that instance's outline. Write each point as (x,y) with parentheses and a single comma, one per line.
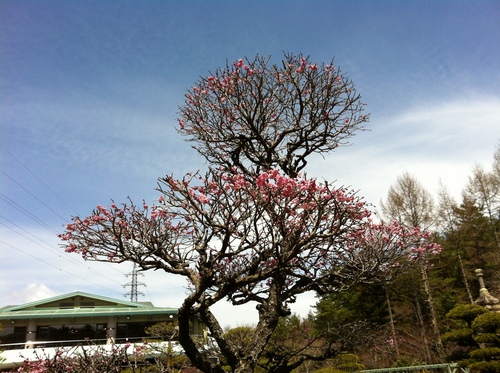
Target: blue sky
(89,94)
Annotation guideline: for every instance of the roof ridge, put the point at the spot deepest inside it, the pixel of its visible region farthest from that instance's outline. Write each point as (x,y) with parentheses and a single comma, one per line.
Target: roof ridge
(74,294)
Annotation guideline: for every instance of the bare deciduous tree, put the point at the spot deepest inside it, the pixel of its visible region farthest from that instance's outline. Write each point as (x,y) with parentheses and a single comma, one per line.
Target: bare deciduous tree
(409,203)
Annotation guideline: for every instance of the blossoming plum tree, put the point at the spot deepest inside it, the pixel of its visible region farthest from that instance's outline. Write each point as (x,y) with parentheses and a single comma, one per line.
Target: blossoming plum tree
(255,115)
(253,228)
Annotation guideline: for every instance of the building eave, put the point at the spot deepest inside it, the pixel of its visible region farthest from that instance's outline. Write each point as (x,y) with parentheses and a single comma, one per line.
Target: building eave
(116,307)
(84,312)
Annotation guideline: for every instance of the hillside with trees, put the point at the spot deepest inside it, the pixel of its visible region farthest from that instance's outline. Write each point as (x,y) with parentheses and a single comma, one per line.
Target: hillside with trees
(409,316)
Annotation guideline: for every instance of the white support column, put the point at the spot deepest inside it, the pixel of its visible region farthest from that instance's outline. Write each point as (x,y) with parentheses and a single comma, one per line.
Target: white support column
(30,333)
(111,330)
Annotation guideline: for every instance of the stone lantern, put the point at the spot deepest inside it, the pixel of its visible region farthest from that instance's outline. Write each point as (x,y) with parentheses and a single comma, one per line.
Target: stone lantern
(485,299)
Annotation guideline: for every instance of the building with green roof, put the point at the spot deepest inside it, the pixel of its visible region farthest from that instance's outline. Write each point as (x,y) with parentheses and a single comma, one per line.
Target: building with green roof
(76,317)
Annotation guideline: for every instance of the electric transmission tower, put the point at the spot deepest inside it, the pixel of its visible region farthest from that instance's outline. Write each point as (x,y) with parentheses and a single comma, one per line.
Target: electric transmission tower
(134,284)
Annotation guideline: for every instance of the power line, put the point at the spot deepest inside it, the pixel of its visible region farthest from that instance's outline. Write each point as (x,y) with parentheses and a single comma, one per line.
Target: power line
(56,267)
(27,213)
(35,197)
(35,218)
(40,180)
(49,247)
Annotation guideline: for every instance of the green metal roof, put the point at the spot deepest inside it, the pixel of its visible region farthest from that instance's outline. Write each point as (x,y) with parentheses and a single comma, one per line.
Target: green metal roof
(76,294)
(110,307)
(82,312)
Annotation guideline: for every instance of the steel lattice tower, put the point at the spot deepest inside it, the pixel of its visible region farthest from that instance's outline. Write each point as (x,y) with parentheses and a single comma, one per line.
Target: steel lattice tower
(134,284)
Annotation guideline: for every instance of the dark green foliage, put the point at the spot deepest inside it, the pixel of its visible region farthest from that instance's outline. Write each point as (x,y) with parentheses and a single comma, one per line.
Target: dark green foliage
(477,337)
(466,312)
(487,327)
(362,303)
(348,363)
(487,330)
(406,361)
(468,233)
(344,363)
(487,338)
(485,367)
(488,322)
(462,337)
(489,353)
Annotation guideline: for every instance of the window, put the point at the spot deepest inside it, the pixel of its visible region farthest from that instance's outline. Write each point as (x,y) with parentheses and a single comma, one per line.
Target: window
(67,332)
(132,330)
(13,334)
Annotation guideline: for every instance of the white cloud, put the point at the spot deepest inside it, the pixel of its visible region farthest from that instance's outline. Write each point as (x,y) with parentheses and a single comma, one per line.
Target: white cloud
(34,292)
(435,142)
(450,129)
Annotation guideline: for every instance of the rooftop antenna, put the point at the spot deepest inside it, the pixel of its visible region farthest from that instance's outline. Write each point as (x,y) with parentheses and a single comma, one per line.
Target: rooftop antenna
(134,292)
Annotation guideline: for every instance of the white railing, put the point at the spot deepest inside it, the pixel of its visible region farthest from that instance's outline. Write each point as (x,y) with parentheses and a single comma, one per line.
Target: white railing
(433,368)
(15,357)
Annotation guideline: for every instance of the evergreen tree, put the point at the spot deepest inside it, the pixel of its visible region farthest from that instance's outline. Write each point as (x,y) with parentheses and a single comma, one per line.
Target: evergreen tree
(474,338)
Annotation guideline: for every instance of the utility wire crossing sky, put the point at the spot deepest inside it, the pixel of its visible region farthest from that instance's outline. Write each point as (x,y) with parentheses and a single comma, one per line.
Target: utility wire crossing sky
(90,94)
